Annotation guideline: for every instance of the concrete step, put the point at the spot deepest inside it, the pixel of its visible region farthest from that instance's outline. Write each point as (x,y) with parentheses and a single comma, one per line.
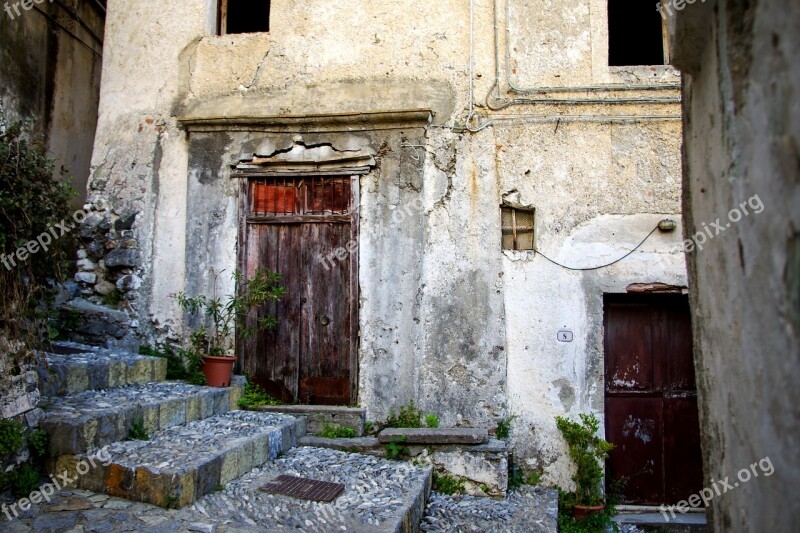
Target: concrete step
(664,522)
(435,435)
(182,464)
(318,416)
(73,368)
(91,419)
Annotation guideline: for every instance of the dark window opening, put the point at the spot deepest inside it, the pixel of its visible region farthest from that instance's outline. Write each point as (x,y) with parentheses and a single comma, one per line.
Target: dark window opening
(636,33)
(517,226)
(243,16)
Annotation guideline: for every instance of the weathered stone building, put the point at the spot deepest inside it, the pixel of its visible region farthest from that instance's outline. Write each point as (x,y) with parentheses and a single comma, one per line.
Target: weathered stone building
(453,131)
(742,132)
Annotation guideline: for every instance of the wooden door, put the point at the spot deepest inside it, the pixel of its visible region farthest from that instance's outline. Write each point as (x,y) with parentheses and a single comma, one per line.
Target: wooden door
(651,398)
(305,228)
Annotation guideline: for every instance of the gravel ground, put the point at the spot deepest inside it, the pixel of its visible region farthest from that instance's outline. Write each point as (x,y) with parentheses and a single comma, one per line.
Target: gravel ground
(526,510)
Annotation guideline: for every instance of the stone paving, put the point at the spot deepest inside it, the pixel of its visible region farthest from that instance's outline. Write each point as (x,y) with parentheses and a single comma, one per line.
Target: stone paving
(528,509)
(380,496)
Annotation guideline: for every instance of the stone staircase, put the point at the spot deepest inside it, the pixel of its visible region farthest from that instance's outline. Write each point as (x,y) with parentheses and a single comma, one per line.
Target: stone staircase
(201,447)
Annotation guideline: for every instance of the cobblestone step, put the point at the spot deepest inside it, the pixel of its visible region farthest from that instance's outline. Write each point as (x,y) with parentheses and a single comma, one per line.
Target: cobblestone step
(182,464)
(91,419)
(73,368)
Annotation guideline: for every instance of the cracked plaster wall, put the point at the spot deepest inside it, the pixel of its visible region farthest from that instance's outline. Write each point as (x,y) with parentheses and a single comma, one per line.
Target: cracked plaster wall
(447,319)
(742,81)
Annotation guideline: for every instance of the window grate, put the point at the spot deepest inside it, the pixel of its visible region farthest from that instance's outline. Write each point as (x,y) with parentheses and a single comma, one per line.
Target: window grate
(517,228)
(300,196)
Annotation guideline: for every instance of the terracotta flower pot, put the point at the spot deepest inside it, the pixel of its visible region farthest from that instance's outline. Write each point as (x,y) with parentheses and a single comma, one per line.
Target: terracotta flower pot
(582,511)
(218,370)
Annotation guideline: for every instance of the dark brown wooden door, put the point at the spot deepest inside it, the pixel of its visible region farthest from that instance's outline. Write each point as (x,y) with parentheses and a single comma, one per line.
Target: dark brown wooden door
(305,228)
(651,398)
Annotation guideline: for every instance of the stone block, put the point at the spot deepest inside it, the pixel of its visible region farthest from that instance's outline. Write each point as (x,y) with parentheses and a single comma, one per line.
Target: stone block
(435,435)
(483,465)
(317,416)
(122,258)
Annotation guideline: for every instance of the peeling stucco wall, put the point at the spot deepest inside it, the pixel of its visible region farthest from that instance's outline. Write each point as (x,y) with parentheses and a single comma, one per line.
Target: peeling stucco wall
(741,140)
(446,318)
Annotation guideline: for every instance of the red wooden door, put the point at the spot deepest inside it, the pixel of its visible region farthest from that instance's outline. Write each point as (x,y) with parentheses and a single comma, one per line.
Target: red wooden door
(305,228)
(651,398)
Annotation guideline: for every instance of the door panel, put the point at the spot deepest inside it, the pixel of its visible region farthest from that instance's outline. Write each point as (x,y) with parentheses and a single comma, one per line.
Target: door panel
(634,426)
(294,227)
(651,400)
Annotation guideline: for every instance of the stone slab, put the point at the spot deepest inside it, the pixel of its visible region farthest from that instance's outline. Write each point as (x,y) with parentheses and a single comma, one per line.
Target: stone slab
(317,416)
(435,435)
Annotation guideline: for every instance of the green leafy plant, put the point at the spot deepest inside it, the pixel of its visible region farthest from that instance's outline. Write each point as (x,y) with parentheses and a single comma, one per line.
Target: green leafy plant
(408,417)
(586,450)
(112,299)
(335,431)
(517,477)
(222,318)
(38,442)
(593,523)
(176,368)
(11,437)
(447,484)
(368,427)
(33,201)
(24,480)
(395,449)
(431,420)
(504,427)
(254,397)
(137,431)
(170,502)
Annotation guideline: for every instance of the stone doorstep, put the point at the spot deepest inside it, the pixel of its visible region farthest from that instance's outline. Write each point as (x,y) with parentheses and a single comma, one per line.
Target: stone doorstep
(319,415)
(435,435)
(82,368)
(194,468)
(92,419)
(365,445)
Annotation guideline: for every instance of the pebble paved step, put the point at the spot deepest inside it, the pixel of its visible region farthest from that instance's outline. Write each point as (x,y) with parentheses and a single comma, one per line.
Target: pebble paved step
(180,465)
(73,368)
(91,419)
(380,495)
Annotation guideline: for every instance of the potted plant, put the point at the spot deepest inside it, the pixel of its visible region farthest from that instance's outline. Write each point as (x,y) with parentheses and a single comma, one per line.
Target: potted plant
(224,321)
(588,451)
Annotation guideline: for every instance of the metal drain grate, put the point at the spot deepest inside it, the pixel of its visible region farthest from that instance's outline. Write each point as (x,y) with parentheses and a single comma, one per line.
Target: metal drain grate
(304,489)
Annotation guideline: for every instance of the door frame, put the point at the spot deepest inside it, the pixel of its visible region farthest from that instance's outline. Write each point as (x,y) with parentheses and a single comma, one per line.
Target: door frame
(245,177)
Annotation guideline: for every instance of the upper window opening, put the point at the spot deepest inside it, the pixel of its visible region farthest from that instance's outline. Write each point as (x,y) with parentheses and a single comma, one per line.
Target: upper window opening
(243,16)
(636,34)
(517,228)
